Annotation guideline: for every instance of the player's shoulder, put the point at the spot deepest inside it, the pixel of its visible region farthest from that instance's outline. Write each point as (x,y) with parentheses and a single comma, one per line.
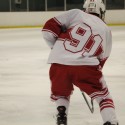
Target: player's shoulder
(106,26)
(100,22)
(76,11)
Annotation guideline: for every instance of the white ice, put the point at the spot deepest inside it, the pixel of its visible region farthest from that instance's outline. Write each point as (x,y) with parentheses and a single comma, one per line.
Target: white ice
(25,85)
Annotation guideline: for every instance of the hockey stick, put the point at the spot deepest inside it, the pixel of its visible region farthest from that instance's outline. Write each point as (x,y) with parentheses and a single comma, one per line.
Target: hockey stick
(91,108)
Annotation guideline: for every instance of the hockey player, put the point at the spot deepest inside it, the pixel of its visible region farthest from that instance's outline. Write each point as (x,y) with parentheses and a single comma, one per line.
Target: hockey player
(80,44)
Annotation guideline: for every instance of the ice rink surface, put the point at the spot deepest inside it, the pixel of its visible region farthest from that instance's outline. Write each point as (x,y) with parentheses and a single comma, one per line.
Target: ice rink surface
(25,85)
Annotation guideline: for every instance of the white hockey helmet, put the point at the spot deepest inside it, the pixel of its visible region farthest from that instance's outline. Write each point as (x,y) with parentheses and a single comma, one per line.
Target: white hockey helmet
(95,7)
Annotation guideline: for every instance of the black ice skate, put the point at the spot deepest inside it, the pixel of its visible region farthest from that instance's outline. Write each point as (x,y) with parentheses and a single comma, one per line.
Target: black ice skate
(61,116)
(108,123)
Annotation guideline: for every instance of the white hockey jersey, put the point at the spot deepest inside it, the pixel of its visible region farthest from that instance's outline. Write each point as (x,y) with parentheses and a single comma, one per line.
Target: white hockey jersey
(86,41)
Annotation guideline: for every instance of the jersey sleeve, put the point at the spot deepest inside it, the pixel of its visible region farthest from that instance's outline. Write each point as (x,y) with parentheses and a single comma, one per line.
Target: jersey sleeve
(53,27)
(51,31)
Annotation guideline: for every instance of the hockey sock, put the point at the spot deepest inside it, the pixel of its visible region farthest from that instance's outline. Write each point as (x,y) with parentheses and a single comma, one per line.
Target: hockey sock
(108,111)
(63,102)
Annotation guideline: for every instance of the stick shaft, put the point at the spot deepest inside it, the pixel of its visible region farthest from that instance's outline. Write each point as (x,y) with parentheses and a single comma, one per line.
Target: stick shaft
(91,108)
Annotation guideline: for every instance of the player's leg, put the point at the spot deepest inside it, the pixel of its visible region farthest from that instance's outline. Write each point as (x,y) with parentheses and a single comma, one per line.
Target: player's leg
(107,108)
(61,87)
(106,104)
(62,105)
(90,80)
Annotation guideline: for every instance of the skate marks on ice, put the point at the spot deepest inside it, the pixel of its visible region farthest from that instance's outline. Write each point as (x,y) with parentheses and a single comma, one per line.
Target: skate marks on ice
(24,84)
